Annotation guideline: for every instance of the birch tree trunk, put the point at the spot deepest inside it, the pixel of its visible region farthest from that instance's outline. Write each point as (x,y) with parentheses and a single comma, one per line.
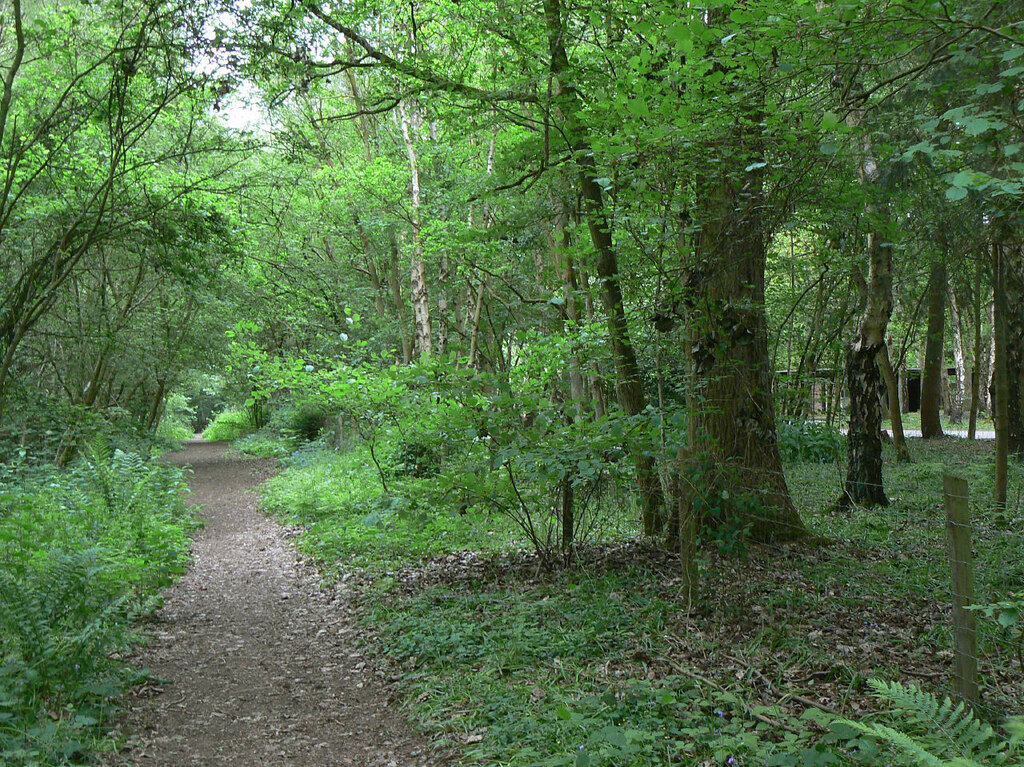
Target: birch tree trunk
(956,394)
(863,485)
(422,334)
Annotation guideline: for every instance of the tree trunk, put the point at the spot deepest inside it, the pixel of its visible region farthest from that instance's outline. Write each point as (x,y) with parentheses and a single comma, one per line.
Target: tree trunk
(863,442)
(443,320)
(899,441)
(474,334)
(989,371)
(729,350)
(156,405)
(422,334)
(977,375)
(956,395)
(934,363)
(628,381)
(1000,383)
(558,243)
(1013,288)
(405,340)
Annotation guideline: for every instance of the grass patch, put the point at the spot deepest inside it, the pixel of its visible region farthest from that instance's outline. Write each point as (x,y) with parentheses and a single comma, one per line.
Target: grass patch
(913,421)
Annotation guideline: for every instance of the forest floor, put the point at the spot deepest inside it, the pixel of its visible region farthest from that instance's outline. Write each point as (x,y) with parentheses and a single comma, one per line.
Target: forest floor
(252,664)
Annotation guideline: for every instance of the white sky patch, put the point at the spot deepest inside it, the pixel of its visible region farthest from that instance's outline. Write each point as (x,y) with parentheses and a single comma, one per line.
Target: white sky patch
(242,110)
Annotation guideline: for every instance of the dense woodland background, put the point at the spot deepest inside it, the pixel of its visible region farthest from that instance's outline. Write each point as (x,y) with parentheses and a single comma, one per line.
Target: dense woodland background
(576,273)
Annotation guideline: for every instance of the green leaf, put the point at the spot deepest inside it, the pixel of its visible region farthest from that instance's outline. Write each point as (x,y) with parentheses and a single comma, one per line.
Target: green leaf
(563,713)
(924,147)
(830,121)
(956,193)
(975,126)
(638,108)
(755,166)
(1008,617)
(962,179)
(828,148)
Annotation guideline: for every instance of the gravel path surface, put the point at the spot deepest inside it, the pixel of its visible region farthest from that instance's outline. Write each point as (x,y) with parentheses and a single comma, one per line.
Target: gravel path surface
(259,664)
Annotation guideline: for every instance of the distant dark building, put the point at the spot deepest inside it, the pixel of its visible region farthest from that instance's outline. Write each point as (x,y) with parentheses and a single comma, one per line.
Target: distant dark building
(818,388)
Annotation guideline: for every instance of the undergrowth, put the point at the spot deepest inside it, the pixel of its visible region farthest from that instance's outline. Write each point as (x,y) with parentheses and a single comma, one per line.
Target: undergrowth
(83,554)
(600,664)
(351,522)
(229,425)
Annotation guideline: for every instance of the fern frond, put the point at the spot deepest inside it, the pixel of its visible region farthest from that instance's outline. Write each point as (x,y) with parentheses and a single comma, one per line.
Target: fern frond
(945,727)
(899,739)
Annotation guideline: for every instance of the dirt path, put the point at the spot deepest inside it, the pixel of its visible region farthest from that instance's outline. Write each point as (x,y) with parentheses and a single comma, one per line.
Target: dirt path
(258,664)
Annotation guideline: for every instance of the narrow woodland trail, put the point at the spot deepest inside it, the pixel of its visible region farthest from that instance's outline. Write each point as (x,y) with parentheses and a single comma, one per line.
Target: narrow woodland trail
(259,665)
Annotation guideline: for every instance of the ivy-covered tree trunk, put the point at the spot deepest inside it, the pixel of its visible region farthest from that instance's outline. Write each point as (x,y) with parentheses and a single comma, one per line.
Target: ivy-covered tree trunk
(934,361)
(729,352)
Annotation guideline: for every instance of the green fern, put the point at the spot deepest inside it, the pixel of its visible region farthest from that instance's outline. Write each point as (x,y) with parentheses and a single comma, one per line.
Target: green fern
(939,733)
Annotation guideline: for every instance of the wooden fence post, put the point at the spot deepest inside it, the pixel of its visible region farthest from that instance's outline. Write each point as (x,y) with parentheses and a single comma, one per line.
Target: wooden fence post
(965,634)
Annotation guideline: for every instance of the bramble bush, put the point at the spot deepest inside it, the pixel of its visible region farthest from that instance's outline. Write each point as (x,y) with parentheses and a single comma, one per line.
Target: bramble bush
(83,554)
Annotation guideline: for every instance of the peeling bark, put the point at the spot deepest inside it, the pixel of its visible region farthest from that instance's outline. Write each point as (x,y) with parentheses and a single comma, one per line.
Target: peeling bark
(863,485)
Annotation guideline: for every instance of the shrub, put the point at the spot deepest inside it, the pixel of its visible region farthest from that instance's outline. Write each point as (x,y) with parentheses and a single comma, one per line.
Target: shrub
(176,424)
(301,421)
(263,445)
(810,441)
(229,425)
